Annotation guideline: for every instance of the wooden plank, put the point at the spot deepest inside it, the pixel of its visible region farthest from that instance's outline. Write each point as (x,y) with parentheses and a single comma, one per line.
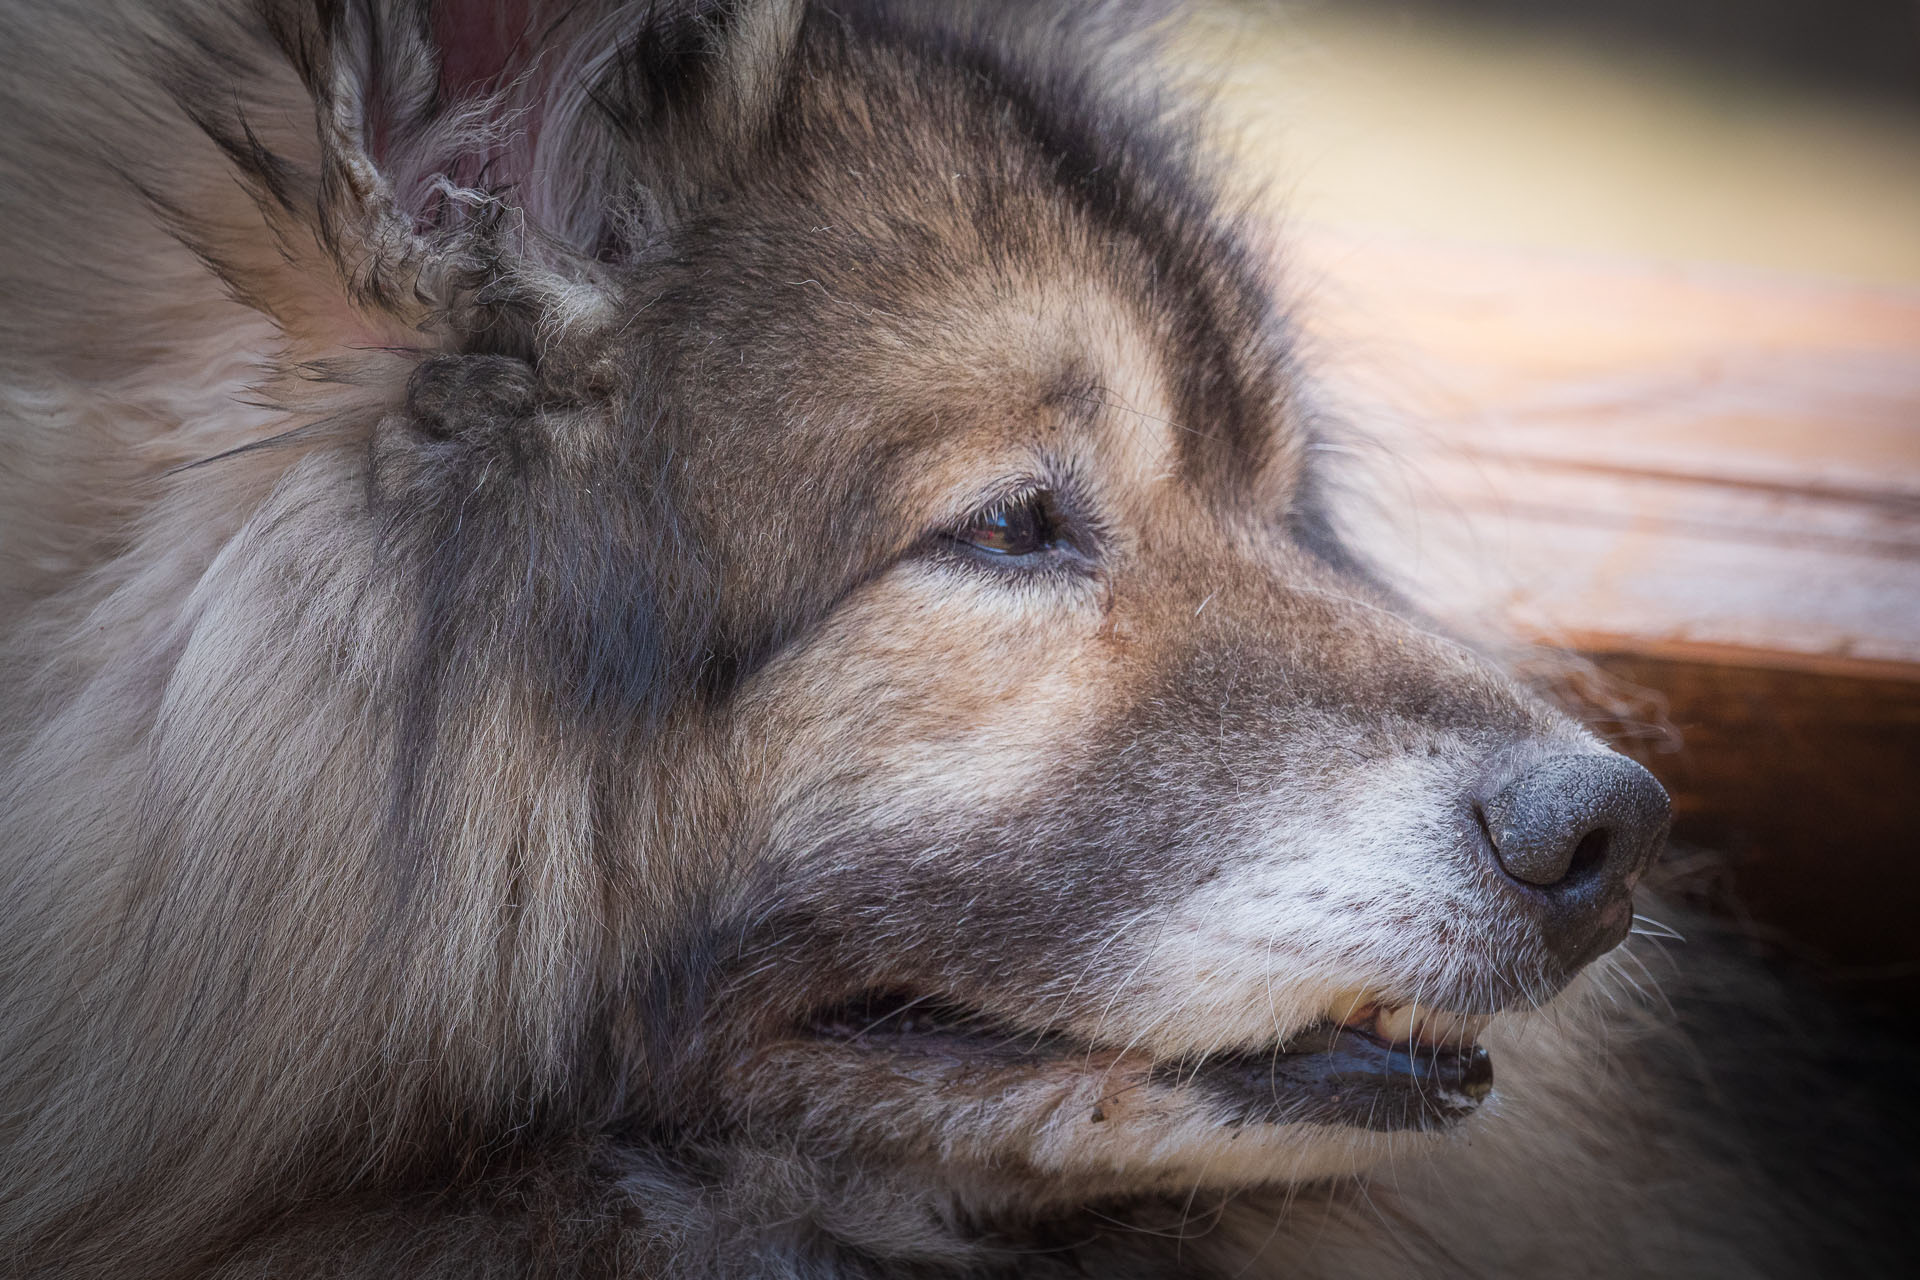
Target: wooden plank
(1642,458)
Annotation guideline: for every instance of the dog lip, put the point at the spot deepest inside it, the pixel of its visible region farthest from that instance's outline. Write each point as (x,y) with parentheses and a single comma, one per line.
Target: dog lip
(1342,1075)
(1351,1073)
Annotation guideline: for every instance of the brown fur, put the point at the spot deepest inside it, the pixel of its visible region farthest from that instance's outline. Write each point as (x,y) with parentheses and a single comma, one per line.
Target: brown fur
(486,664)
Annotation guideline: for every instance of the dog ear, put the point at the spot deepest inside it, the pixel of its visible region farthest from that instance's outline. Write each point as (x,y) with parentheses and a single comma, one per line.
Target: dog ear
(555,106)
(482,161)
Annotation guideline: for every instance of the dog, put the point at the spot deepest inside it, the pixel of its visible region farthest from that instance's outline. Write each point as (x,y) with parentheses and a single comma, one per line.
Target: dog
(707,638)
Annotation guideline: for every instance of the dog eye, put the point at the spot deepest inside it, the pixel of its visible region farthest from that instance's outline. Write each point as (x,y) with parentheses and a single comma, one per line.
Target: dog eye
(1023,526)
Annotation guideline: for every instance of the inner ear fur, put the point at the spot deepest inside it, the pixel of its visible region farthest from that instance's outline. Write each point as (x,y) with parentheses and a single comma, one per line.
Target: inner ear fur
(482,165)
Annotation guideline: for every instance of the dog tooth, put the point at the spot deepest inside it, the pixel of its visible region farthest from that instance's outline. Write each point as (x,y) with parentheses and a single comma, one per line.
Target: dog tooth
(1438,1027)
(1395,1026)
(1350,1008)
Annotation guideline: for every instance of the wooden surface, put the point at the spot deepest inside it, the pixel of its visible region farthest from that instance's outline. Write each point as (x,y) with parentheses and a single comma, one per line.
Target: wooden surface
(1710,483)
(1805,783)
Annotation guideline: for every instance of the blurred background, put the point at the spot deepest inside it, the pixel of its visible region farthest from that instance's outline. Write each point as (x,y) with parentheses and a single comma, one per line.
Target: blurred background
(1780,134)
(1616,308)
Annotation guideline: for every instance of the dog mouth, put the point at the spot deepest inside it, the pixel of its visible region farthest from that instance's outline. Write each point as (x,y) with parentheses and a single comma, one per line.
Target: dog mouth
(1371,1064)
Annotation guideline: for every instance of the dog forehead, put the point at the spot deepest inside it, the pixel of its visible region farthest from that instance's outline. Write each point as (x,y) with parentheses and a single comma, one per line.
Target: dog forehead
(989,373)
(1060,372)
(1075,376)
(925,285)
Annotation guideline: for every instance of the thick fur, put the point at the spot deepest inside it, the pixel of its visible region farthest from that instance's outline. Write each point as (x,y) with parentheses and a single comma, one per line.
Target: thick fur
(485,663)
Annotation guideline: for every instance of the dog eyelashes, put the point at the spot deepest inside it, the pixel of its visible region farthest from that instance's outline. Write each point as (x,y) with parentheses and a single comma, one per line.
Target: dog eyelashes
(1025,525)
(1029,532)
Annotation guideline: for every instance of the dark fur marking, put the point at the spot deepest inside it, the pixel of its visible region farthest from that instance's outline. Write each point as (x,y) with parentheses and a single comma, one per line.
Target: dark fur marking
(1131,168)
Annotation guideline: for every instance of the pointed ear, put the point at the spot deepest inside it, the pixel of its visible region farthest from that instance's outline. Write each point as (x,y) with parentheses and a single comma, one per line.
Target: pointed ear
(479,162)
(555,109)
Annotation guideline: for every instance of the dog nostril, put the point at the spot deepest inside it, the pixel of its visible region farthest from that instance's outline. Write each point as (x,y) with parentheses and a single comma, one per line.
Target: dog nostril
(1591,852)
(1528,858)
(1576,820)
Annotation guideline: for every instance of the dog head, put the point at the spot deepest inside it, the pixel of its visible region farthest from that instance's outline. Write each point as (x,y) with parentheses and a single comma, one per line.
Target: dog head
(829,546)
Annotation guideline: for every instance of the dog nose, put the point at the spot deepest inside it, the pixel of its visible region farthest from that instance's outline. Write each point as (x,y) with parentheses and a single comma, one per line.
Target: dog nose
(1572,818)
(1580,830)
